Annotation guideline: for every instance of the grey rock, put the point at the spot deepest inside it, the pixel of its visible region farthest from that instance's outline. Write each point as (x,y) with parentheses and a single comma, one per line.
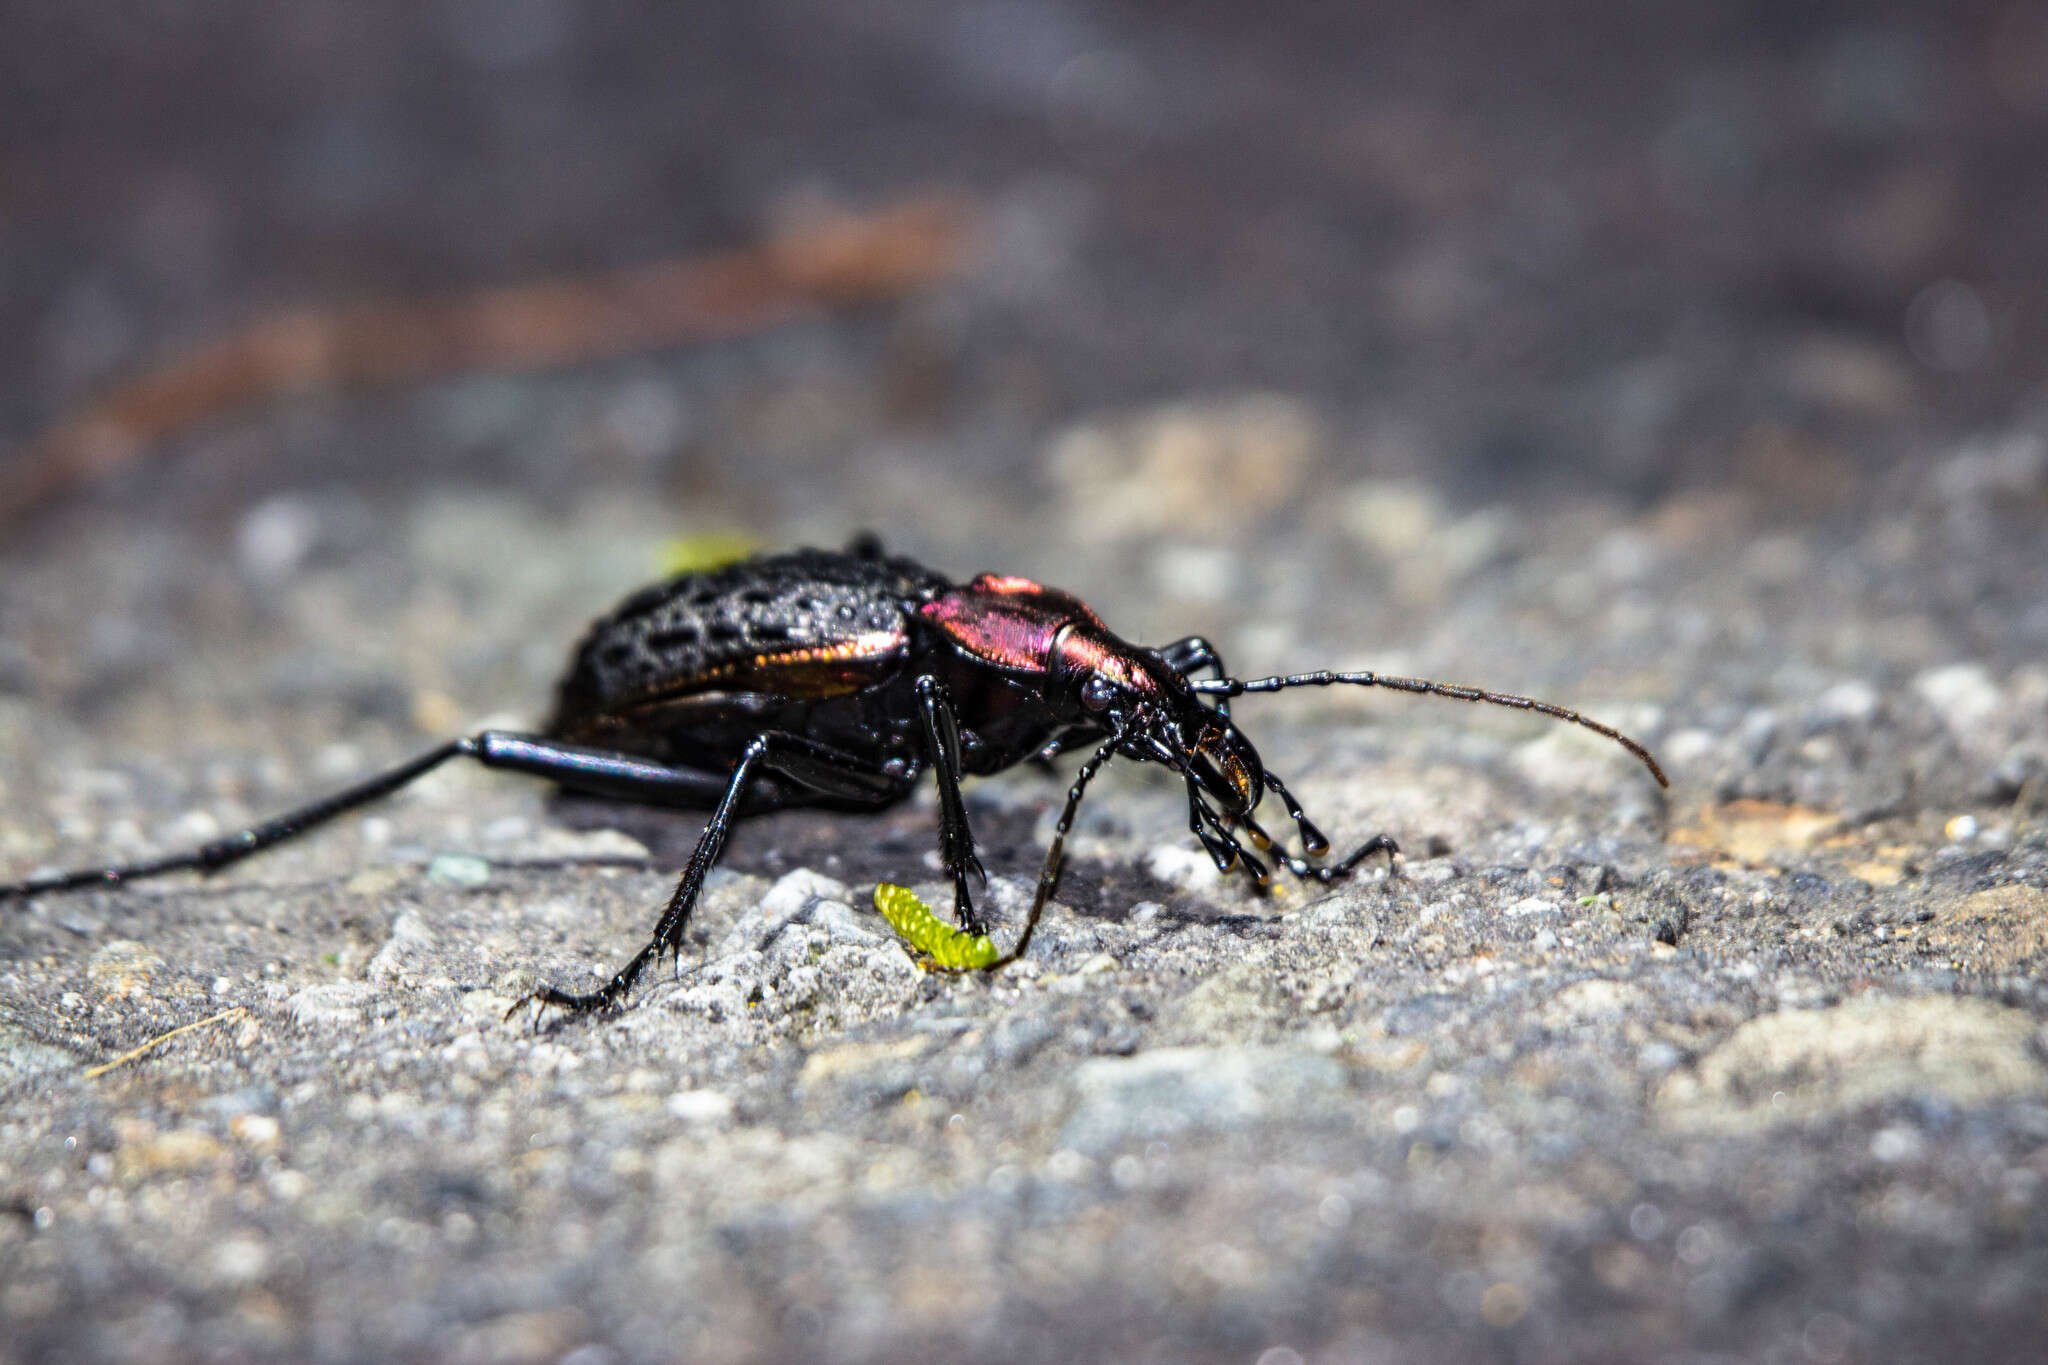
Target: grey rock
(1169,1093)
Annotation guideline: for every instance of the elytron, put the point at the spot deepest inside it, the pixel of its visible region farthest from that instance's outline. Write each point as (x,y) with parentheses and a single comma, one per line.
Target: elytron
(837,679)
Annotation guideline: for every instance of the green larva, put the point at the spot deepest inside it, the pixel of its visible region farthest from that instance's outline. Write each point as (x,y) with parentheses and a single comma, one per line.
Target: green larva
(926,933)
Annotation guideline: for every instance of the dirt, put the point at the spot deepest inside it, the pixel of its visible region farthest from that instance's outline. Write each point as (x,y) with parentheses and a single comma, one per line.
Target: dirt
(1683,370)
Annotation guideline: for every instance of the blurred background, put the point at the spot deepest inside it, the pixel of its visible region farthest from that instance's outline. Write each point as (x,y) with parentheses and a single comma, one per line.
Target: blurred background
(1682,364)
(1508,250)
(1651,354)
(1647,353)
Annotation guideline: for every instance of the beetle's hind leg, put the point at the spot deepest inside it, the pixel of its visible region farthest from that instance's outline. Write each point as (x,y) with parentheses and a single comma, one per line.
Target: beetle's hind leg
(816,767)
(599,771)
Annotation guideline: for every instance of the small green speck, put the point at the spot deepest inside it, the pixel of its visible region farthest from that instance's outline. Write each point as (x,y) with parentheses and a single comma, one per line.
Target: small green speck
(711,550)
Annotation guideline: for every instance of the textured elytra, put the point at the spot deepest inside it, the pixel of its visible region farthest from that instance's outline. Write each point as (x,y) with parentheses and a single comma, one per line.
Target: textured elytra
(695,632)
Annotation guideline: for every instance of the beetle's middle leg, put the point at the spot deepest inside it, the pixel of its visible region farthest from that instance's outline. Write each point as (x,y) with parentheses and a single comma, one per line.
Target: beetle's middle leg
(956,840)
(817,767)
(1223,848)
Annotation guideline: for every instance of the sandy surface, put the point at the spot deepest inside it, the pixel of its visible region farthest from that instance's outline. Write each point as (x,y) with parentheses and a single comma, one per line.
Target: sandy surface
(1595,362)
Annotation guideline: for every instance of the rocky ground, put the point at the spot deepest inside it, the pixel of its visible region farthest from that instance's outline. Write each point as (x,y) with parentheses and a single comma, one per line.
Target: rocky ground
(1345,343)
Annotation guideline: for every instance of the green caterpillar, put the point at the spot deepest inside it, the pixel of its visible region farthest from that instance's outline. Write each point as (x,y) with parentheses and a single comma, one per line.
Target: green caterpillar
(926,933)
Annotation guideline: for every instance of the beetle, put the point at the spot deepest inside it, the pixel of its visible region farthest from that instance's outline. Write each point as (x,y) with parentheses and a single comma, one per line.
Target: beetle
(837,679)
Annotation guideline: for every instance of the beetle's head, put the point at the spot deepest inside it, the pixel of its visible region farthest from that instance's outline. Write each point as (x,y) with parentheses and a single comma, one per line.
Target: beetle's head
(1126,688)
(1095,682)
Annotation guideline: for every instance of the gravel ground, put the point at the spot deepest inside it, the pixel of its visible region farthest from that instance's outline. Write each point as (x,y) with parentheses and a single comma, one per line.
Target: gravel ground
(1698,391)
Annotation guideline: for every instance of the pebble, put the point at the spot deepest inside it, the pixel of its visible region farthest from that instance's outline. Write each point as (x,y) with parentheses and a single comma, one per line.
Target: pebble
(459,869)
(1190,869)
(1853,701)
(1963,695)
(330,1004)
(1810,1065)
(1161,1094)
(699,1106)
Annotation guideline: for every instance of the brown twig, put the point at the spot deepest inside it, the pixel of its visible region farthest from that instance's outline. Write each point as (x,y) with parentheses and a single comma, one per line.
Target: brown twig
(827,260)
(93,1073)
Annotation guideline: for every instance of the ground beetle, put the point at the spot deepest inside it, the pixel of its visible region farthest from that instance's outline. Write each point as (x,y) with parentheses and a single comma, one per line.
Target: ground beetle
(835,679)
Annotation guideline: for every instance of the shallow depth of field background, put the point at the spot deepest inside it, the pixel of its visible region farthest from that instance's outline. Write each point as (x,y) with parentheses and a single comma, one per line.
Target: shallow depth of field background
(1680,363)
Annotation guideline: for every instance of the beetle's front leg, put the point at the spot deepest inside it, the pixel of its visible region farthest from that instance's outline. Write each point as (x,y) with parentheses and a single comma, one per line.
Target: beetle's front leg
(956,840)
(1316,845)
(1223,847)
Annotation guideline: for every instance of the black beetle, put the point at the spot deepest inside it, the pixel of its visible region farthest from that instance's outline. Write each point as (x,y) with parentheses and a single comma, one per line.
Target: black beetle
(835,679)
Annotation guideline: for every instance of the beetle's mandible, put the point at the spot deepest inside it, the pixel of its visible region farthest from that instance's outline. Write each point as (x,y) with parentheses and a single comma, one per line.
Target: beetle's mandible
(838,679)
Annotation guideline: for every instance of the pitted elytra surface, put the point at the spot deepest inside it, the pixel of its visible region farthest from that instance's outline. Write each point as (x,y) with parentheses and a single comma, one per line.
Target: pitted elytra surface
(703,632)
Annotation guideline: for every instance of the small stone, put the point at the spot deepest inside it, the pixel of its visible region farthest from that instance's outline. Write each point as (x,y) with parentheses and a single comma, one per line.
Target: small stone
(459,869)
(332,1003)
(276,536)
(241,1260)
(1178,865)
(1807,1065)
(794,893)
(259,1131)
(122,968)
(547,846)
(1392,519)
(24,1056)
(700,1106)
(178,1151)
(1853,701)
(1963,695)
(1999,929)
(1896,1143)
(1586,1002)
(1158,1095)
(1658,1056)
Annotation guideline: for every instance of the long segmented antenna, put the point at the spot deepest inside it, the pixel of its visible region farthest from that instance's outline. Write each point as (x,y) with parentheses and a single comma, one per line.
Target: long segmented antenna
(1237,687)
(1053,852)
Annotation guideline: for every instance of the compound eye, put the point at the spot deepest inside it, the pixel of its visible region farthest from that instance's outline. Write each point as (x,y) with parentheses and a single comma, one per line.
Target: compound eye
(1098,692)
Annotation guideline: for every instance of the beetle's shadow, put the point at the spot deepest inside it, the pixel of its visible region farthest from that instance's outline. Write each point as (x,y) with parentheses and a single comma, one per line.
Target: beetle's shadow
(882,846)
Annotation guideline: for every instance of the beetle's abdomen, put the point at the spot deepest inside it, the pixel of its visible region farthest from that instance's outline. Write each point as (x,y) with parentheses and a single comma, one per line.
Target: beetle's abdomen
(811,624)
